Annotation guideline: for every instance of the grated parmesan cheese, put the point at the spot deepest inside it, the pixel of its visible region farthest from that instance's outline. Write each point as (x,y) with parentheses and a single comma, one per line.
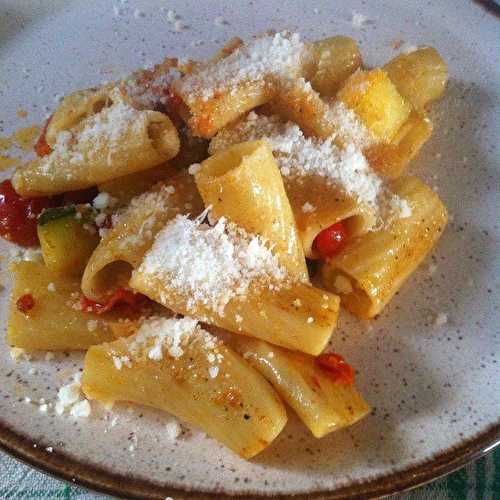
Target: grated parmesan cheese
(441,319)
(70,397)
(213,371)
(299,156)
(148,92)
(401,206)
(81,409)
(194,168)
(278,55)
(173,429)
(350,129)
(358,20)
(211,265)
(157,335)
(106,129)
(103,201)
(308,208)
(151,204)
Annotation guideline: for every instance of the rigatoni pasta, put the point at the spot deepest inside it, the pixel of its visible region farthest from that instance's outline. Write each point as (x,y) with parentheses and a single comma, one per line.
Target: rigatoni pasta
(123,247)
(373,267)
(243,183)
(116,141)
(225,276)
(324,403)
(191,196)
(176,366)
(54,321)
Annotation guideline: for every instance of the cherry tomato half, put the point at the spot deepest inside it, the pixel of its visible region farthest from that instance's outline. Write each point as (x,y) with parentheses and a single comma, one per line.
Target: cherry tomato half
(18,216)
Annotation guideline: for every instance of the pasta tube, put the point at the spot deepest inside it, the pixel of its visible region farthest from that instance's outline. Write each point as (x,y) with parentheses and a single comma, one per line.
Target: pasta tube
(219,92)
(175,366)
(244,184)
(224,276)
(316,194)
(420,76)
(322,403)
(54,323)
(335,59)
(117,141)
(75,108)
(298,102)
(124,246)
(374,266)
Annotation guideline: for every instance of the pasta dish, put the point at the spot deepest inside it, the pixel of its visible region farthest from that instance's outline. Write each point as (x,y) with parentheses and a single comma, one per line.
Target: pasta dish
(201,224)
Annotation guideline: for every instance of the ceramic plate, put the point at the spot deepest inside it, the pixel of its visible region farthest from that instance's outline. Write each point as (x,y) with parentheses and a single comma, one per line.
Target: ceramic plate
(434,388)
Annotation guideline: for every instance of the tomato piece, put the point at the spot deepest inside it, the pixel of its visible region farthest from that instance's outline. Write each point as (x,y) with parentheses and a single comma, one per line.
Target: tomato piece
(41,146)
(18,216)
(337,367)
(331,240)
(25,303)
(132,301)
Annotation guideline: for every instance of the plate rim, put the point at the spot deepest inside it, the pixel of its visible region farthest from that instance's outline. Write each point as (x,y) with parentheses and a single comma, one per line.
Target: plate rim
(102,480)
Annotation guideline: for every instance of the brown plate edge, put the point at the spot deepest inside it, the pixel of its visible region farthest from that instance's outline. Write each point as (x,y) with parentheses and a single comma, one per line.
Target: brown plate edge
(63,467)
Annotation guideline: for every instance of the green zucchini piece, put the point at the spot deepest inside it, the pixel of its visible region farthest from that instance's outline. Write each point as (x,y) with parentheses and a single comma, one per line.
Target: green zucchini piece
(67,240)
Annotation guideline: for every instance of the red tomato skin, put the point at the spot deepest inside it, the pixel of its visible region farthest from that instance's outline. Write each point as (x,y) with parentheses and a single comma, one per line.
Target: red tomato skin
(25,303)
(121,297)
(331,240)
(18,216)
(337,368)
(41,146)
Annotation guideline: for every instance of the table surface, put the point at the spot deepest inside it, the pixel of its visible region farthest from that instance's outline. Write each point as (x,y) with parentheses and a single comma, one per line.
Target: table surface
(477,481)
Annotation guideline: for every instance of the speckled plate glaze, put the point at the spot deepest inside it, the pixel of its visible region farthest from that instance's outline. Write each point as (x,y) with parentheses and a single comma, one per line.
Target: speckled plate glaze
(434,389)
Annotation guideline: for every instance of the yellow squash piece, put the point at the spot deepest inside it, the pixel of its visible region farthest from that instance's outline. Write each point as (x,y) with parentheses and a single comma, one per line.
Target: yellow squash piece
(376,101)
